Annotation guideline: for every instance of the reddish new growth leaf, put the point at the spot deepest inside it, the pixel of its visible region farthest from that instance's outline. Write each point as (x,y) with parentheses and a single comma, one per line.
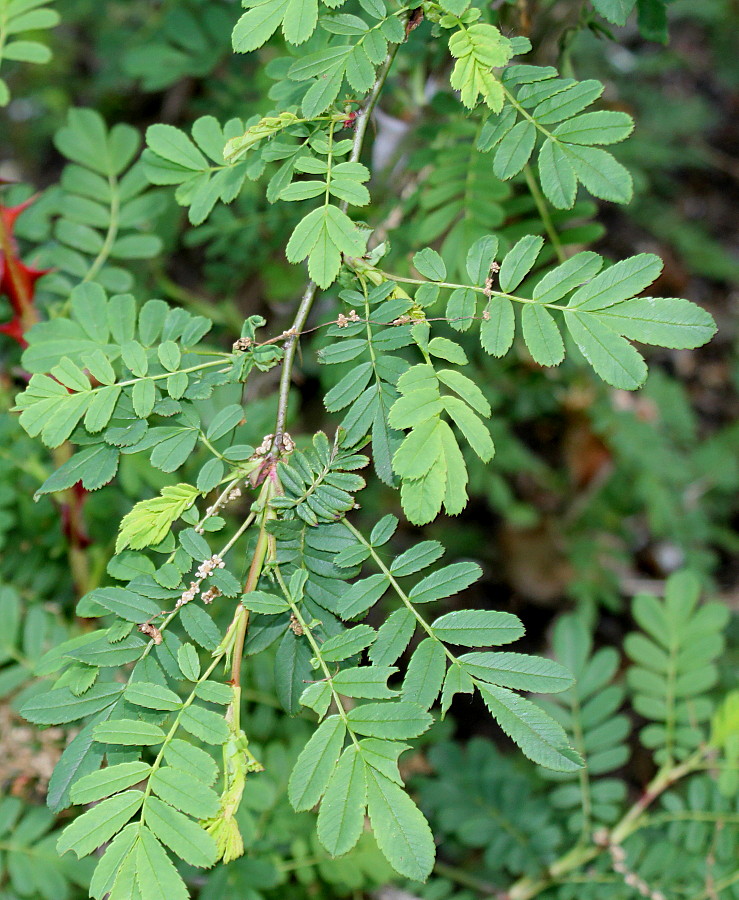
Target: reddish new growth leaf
(17,280)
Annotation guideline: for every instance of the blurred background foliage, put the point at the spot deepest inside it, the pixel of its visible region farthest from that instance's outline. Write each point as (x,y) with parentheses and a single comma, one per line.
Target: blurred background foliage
(595,494)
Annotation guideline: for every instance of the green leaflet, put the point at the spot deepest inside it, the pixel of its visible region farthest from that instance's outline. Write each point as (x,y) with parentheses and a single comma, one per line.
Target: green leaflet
(341,816)
(156,875)
(539,737)
(188,840)
(104,782)
(58,706)
(401,831)
(542,337)
(518,671)
(315,764)
(425,674)
(184,793)
(99,824)
(398,720)
(475,628)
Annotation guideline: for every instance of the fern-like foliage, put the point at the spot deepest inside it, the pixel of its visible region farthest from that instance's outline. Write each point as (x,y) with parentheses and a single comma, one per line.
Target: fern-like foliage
(100,216)
(674,656)
(481,800)
(589,711)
